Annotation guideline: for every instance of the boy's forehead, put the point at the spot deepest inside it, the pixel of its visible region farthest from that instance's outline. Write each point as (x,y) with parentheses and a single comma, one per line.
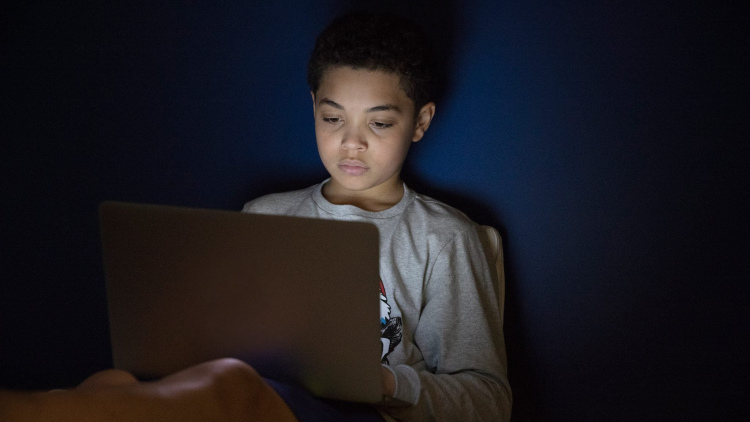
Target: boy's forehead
(345,82)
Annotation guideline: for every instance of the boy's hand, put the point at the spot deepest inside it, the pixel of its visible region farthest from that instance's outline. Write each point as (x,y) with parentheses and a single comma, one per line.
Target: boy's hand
(389,382)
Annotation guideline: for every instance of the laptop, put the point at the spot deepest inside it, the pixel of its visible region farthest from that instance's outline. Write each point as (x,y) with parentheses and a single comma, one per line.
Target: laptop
(296,298)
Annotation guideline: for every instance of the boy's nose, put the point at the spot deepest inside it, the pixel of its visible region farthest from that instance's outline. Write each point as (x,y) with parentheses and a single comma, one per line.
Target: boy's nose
(353,141)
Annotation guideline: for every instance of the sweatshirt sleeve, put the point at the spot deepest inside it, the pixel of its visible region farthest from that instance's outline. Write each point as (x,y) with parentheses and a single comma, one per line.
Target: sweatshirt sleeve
(464,373)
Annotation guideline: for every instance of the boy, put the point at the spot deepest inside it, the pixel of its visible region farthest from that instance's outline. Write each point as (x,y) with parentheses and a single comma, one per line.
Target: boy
(443,352)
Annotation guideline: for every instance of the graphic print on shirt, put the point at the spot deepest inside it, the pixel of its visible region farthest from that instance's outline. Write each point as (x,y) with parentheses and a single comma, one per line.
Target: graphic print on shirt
(390,328)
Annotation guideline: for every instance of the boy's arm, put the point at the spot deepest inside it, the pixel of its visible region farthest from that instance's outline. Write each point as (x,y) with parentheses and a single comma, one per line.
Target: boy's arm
(463,375)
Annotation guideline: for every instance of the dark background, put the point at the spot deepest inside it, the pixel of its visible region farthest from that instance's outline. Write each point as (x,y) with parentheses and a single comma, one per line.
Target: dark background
(607,142)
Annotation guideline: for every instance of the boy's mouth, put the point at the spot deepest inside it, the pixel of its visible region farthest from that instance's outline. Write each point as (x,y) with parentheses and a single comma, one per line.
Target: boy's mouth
(353,167)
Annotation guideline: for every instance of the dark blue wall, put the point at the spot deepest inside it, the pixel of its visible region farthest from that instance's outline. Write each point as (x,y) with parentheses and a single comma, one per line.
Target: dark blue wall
(606,142)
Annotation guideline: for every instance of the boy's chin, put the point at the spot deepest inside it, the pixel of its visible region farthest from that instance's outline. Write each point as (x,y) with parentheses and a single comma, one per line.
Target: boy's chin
(356,185)
(363,185)
(346,184)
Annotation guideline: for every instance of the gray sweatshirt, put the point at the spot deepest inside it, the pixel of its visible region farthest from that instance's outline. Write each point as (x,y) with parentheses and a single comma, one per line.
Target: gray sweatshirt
(441,332)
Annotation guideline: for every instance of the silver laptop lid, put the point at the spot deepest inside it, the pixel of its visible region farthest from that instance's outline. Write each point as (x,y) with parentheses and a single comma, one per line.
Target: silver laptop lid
(294,297)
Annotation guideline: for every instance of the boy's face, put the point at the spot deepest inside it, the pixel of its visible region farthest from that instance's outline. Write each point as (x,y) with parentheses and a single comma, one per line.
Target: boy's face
(364,125)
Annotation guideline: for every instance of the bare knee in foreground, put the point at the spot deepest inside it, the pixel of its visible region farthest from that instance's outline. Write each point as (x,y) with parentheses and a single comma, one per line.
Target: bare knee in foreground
(237,387)
(107,378)
(219,390)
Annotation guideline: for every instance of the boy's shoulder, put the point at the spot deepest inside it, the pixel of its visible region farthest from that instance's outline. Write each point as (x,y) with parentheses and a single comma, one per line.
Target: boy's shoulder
(438,216)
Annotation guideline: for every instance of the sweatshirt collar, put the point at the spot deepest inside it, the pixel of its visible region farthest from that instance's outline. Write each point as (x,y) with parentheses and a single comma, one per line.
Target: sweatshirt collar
(344,210)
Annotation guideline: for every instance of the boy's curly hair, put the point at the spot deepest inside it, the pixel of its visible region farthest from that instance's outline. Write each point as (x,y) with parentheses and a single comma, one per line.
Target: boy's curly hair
(377,42)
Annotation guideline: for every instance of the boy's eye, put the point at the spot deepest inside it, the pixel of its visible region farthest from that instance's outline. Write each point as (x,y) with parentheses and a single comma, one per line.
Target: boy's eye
(381,125)
(331,119)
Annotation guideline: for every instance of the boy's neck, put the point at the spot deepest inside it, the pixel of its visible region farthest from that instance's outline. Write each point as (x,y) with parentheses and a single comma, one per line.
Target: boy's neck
(381,199)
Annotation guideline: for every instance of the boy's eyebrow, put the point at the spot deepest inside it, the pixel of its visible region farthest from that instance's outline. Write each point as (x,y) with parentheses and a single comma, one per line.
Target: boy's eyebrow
(331,103)
(384,107)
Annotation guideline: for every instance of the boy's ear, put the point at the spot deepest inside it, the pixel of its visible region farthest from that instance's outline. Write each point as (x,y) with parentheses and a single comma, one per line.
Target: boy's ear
(426,113)
(312,94)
